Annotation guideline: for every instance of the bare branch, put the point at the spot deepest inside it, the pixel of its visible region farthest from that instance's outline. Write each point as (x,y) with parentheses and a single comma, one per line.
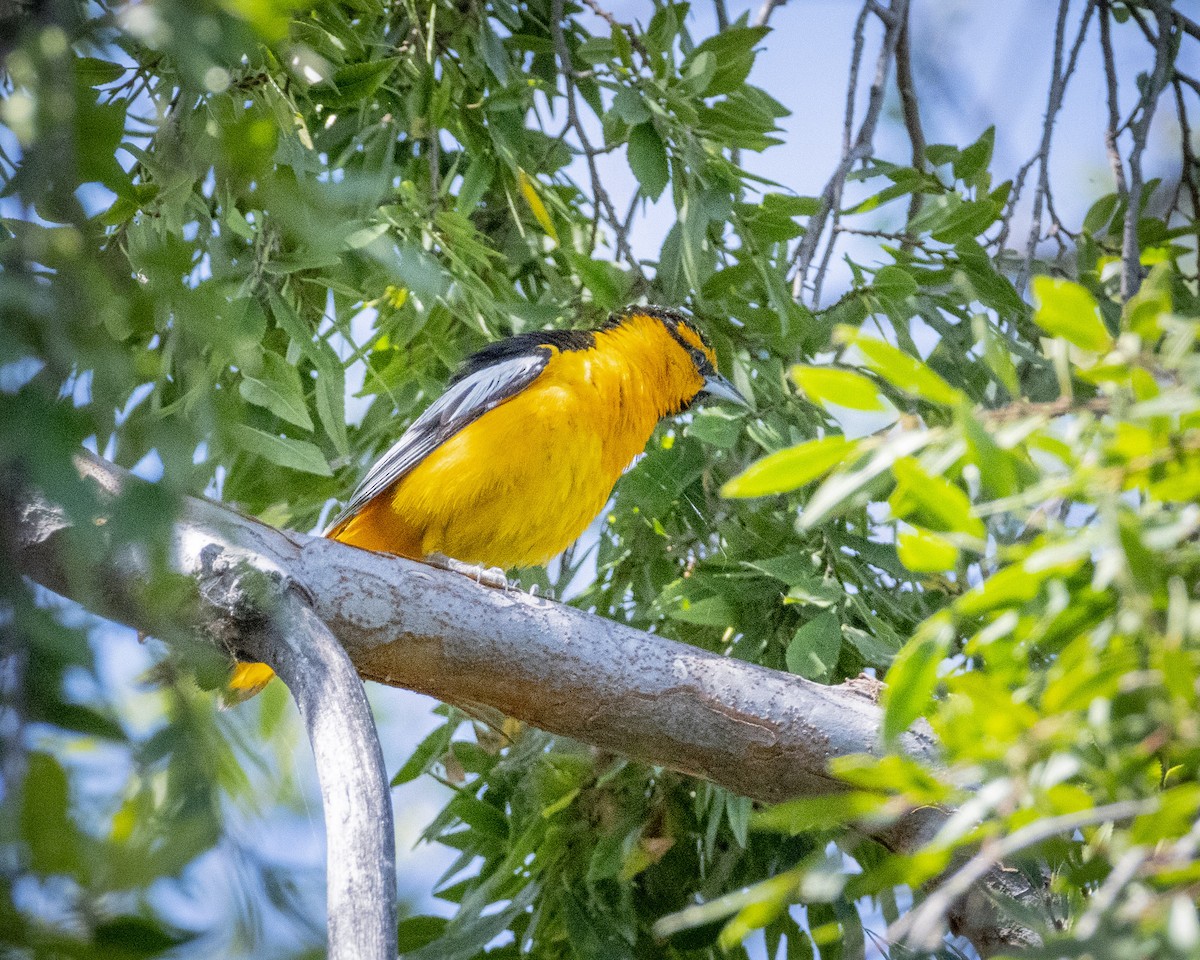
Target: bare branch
(923,926)
(601,203)
(1059,77)
(359,837)
(1165,10)
(1190,163)
(911,109)
(893,19)
(1114,107)
(1131,266)
(764,13)
(244,599)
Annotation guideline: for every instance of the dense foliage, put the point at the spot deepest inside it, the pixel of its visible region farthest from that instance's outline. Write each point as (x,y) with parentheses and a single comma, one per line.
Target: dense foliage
(229,223)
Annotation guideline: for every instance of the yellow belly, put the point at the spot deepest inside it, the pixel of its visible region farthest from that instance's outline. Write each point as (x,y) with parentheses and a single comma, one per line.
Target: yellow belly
(512,489)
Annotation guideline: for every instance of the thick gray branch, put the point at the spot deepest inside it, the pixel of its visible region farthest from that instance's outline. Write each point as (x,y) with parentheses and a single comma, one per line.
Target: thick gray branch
(759,732)
(360,843)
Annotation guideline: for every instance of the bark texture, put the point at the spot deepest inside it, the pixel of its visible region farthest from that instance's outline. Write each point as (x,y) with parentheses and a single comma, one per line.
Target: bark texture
(273,595)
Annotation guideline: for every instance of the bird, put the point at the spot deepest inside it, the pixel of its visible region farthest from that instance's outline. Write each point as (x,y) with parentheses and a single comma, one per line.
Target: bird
(521,452)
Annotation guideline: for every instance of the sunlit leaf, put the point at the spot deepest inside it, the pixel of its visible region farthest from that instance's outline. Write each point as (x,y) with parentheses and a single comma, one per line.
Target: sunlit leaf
(1067,310)
(842,387)
(791,468)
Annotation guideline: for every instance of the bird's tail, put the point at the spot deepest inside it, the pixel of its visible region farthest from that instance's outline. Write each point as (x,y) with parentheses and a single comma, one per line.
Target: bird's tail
(247,680)
(361,529)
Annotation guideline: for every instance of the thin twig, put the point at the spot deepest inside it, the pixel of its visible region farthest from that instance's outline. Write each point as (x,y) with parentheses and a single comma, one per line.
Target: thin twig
(1164,9)
(601,202)
(634,40)
(922,927)
(722,15)
(1114,109)
(1188,179)
(1059,77)
(831,197)
(765,11)
(847,137)
(1131,267)
(911,109)
(1105,897)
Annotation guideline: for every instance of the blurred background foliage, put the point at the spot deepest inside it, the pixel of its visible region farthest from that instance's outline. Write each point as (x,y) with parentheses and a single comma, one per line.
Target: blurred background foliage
(246,242)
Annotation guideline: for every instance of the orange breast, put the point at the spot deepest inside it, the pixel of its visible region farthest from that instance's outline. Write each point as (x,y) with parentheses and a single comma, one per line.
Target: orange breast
(522,482)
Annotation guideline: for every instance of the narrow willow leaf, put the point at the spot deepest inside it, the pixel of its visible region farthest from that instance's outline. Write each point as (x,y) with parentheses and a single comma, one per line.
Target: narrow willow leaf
(839,488)
(648,160)
(924,551)
(282,451)
(540,213)
(942,505)
(912,678)
(791,468)
(906,372)
(813,651)
(277,388)
(1067,310)
(825,385)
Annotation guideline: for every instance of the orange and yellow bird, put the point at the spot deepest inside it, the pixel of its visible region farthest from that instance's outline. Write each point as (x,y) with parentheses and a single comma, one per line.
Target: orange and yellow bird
(509,466)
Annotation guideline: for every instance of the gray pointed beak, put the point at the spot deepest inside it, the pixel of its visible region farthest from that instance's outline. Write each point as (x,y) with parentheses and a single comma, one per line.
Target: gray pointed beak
(717,386)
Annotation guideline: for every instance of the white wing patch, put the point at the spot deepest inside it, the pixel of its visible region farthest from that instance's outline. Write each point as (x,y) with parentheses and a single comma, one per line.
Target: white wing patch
(461,404)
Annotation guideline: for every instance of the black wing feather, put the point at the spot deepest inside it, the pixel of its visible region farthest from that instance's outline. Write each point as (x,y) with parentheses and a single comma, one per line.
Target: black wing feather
(487,379)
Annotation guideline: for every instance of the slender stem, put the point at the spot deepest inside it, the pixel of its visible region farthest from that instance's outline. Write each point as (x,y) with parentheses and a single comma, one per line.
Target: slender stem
(922,927)
(1143,116)
(893,18)
(1059,77)
(602,205)
(911,109)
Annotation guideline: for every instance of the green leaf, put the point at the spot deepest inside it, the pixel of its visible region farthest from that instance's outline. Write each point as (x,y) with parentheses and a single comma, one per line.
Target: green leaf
(277,388)
(806,814)
(428,751)
(96,73)
(893,283)
(630,106)
(45,824)
(416,932)
(705,612)
(814,649)
(906,372)
(974,159)
(1100,215)
(1067,310)
(913,676)
(648,160)
(353,84)
(494,54)
(282,451)
(330,385)
(924,551)
(942,505)
(837,493)
(132,937)
(789,469)
(733,52)
(826,385)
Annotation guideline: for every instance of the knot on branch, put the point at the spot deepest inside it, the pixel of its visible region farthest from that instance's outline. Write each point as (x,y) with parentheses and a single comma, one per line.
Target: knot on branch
(246,591)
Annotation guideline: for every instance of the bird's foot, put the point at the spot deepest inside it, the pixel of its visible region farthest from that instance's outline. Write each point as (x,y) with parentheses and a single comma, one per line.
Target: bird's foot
(488,576)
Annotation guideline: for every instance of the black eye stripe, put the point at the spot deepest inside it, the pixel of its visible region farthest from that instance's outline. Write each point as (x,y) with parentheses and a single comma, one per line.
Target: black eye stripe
(697,355)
